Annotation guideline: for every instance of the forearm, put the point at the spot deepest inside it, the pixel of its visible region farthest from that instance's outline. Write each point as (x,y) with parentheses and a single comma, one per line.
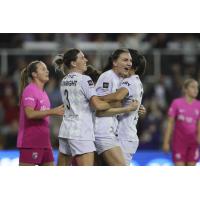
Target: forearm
(38,114)
(169,130)
(113,111)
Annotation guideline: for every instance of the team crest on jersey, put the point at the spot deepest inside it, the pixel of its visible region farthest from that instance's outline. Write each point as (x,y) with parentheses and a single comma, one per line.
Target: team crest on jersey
(105,85)
(90,82)
(35,155)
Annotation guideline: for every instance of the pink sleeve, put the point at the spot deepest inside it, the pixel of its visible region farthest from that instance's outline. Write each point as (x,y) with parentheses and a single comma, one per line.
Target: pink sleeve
(172,112)
(28,98)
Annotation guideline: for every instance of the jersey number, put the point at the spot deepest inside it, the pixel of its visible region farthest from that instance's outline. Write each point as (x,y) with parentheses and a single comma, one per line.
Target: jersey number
(67,100)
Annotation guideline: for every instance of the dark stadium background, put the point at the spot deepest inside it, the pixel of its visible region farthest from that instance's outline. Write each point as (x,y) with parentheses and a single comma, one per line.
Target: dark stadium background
(171,58)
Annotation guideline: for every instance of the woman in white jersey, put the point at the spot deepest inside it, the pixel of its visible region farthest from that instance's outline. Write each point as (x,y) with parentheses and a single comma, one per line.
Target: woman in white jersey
(106,142)
(130,89)
(76,135)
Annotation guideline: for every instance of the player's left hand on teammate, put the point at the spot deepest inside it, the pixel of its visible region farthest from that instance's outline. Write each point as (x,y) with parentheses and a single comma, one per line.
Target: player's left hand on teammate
(133,105)
(142,111)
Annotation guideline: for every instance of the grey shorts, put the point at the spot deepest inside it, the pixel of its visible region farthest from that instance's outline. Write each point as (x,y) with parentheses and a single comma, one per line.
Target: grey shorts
(103,144)
(75,147)
(128,149)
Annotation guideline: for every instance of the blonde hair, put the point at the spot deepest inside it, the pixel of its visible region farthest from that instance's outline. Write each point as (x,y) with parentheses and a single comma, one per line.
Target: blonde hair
(25,74)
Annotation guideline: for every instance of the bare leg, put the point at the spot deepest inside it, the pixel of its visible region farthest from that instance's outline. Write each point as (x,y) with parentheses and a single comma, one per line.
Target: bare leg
(64,160)
(86,159)
(48,164)
(114,157)
(26,164)
(180,164)
(191,163)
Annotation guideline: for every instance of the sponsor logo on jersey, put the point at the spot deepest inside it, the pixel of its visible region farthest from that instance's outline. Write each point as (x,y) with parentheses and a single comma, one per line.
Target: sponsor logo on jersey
(105,85)
(90,82)
(29,98)
(126,83)
(35,155)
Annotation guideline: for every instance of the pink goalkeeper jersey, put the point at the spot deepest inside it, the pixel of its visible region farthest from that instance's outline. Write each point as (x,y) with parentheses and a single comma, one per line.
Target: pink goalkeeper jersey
(33,133)
(186,117)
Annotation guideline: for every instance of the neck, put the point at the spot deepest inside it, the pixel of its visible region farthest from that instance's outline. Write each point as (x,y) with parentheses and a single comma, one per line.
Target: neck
(39,84)
(189,99)
(75,70)
(132,72)
(116,72)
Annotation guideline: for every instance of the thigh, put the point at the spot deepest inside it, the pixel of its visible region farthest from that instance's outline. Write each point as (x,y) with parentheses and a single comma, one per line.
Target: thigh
(86,159)
(64,160)
(30,156)
(114,157)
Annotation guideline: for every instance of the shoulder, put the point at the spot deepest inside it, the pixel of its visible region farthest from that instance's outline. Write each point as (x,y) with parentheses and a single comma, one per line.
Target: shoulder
(29,89)
(88,80)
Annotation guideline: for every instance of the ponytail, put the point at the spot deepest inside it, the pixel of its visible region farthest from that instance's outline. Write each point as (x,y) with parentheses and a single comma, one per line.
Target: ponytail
(23,81)
(25,74)
(58,63)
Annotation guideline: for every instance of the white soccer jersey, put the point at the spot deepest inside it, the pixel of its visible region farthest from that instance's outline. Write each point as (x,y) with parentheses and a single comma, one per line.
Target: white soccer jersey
(76,90)
(107,83)
(127,122)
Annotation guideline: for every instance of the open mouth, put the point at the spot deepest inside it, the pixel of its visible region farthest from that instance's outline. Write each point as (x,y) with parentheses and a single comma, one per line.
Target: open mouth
(126,68)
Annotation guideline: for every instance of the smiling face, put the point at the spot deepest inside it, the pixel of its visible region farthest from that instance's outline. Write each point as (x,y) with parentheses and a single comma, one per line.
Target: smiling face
(80,62)
(42,73)
(122,64)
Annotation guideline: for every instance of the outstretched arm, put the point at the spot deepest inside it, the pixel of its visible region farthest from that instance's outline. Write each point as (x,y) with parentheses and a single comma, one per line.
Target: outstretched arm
(37,114)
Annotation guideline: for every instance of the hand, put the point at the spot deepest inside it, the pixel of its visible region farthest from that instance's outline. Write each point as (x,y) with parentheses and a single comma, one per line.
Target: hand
(60,110)
(133,105)
(142,111)
(166,147)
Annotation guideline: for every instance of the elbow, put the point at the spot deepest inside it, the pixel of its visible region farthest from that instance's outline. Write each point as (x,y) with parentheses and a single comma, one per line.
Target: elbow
(118,98)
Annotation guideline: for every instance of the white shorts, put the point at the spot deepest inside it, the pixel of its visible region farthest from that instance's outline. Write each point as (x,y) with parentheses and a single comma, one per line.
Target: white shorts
(75,147)
(128,149)
(103,144)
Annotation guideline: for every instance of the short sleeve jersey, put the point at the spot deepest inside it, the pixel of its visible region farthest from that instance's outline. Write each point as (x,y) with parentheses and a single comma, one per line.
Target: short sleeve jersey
(107,83)
(127,122)
(33,133)
(76,91)
(186,117)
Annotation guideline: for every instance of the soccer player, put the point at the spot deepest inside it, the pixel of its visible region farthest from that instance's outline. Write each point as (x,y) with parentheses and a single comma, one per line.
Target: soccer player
(76,135)
(106,142)
(34,136)
(184,126)
(131,89)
